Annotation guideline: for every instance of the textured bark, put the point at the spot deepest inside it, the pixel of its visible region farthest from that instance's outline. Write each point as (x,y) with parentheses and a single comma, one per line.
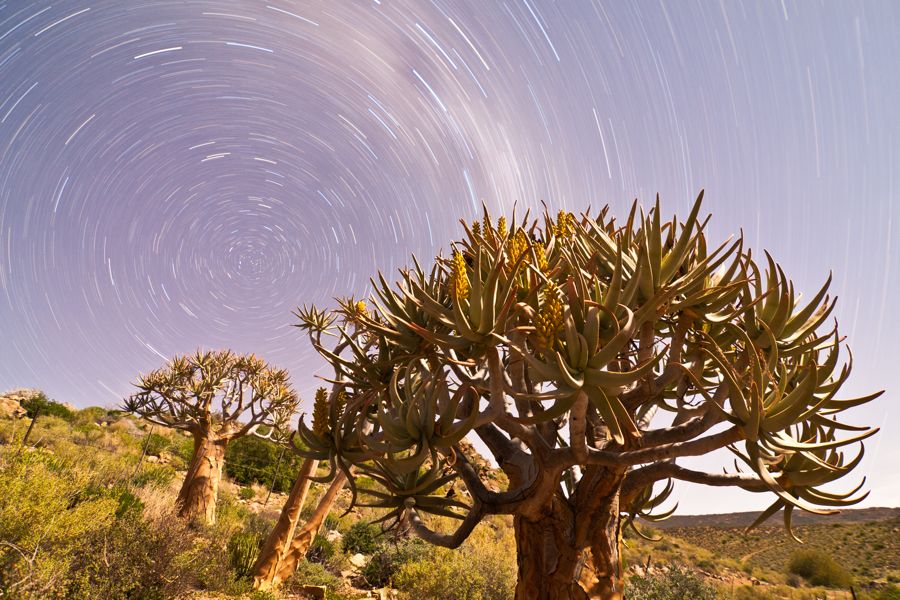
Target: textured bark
(307,533)
(558,561)
(278,543)
(197,498)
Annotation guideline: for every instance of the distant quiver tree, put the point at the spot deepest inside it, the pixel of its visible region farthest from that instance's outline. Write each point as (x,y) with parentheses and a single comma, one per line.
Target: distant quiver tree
(588,356)
(216,396)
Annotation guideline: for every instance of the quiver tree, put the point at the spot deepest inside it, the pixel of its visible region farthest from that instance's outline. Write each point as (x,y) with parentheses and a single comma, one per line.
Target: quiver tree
(285,545)
(587,356)
(217,397)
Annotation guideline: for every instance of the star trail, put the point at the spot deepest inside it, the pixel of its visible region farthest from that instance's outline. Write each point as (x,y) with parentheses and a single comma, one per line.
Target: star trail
(181,174)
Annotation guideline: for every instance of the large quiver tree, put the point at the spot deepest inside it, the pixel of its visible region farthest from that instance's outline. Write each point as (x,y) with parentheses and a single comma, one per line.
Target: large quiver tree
(588,356)
(217,397)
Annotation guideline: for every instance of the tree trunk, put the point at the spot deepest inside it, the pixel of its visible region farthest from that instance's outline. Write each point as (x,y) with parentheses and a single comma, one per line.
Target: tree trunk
(307,533)
(278,543)
(197,498)
(555,564)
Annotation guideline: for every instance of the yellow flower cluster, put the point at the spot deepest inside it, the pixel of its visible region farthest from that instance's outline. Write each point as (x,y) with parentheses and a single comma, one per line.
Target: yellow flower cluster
(459,281)
(341,403)
(476,227)
(565,224)
(550,317)
(517,246)
(320,412)
(361,309)
(540,256)
(501,227)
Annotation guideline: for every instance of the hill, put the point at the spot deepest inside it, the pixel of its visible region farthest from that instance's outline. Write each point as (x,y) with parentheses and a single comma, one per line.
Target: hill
(744,519)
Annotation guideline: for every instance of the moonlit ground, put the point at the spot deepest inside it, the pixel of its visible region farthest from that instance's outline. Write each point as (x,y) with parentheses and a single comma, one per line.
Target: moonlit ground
(183,173)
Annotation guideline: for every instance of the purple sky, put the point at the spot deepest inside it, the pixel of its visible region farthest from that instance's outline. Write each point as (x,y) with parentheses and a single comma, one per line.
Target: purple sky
(183,173)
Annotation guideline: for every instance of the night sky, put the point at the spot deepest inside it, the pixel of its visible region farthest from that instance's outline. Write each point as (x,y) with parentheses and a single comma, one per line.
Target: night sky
(184,173)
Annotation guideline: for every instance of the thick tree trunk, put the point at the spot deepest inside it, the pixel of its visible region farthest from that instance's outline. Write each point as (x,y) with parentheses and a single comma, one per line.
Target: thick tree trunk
(554,562)
(307,533)
(278,544)
(197,498)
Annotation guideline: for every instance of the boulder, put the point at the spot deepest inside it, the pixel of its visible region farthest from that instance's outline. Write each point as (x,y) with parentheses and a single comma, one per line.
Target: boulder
(333,535)
(359,560)
(11,408)
(314,592)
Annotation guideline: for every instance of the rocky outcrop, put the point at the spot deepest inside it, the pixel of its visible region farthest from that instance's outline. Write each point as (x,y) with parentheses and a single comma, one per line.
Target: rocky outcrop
(11,402)
(11,408)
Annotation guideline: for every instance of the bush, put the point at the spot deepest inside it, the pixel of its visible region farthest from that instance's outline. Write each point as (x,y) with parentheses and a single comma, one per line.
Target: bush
(154,444)
(41,404)
(246,493)
(891,592)
(250,460)
(320,550)
(243,550)
(361,538)
(483,568)
(819,568)
(676,584)
(390,557)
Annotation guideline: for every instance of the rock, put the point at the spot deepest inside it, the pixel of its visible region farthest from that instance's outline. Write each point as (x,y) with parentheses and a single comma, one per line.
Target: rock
(359,560)
(333,536)
(151,459)
(11,408)
(315,592)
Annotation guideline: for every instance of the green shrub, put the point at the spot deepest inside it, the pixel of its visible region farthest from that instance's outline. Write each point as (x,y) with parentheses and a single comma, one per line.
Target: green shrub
(89,415)
(154,444)
(320,550)
(41,404)
(251,460)
(390,557)
(243,550)
(246,493)
(676,584)
(891,592)
(151,475)
(138,557)
(819,568)
(483,568)
(308,573)
(361,538)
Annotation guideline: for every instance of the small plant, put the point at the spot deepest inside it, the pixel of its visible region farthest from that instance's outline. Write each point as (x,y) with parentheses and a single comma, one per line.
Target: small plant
(390,557)
(361,538)
(41,404)
(247,493)
(676,584)
(243,548)
(819,568)
(154,444)
(321,550)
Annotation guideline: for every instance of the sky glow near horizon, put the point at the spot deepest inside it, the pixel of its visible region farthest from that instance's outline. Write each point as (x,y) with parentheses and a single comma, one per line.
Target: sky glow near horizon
(181,174)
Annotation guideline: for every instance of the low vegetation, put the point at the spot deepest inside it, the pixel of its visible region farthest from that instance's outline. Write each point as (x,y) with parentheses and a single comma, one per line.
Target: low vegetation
(87,510)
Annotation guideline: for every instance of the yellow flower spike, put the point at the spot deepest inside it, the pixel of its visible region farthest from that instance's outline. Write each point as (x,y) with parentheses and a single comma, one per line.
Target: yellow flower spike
(541,257)
(320,412)
(459,280)
(476,227)
(517,246)
(501,226)
(550,318)
(361,309)
(565,224)
(341,402)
